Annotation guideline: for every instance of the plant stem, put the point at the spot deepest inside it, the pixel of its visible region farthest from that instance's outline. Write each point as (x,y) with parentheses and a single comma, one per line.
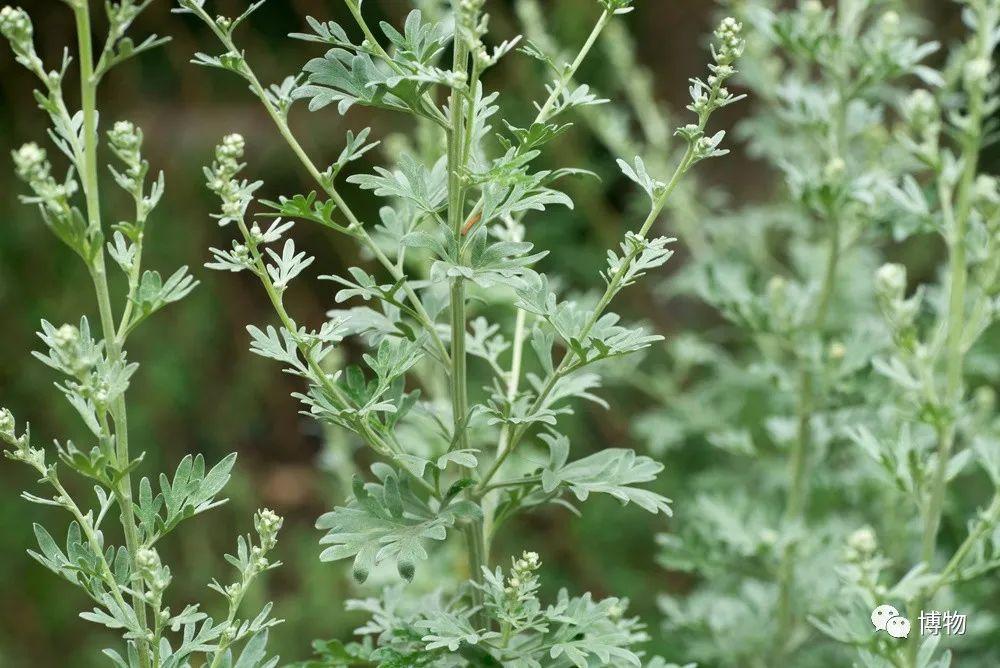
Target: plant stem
(328,386)
(354,223)
(798,491)
(95,546)
(123,491)
(986,522)
(614,285)
(954,352)
(520,320)
(457,160)
(956,218)
(602,22)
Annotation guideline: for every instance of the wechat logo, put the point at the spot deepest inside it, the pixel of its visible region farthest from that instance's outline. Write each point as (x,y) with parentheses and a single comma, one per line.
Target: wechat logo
(887,618)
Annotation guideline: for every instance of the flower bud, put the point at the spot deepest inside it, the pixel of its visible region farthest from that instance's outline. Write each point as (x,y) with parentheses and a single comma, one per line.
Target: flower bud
(834,169)
(7,426)
(889,21)
(146,561)
(890,281)
(31,164)
(976,72)
(267,523)
(921,109)
(66,336)
(124,136)
(231,148)
(861,544)
(15,25)
(812,7)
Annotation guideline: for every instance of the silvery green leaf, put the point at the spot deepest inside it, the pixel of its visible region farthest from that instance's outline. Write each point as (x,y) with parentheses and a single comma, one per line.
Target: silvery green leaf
(612,471)
(642,177)
(280,345)
(384,520)
(412,181)
(288,265)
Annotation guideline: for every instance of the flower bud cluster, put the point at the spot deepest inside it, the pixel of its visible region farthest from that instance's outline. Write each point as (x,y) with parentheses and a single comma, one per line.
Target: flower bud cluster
(32,166)
(74,354)
(523,581)
(711,94)
(472,25)
(126,141)
(151,571)
(922,116)
(235,195)
(15,26)
(267,524)
(731,42)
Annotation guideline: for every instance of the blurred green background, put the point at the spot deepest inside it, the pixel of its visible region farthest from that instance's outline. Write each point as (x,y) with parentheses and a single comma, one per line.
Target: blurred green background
(199,390)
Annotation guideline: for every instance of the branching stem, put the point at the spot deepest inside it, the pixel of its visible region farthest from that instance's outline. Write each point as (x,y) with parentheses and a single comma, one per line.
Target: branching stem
(123,491)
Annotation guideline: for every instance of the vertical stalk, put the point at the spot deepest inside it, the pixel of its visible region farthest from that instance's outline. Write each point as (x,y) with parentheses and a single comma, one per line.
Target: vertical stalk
(954,352)
(457,156)
(798,488)
(88,104)
(798,465)
(956,217)
(798,468)
(520,321)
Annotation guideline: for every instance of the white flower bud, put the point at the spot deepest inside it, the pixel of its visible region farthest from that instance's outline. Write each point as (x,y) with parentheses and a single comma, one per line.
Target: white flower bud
(125,137)
(267,523)
(863,541)
(977,71)
(890,281)
(15,25)
(920,109)
(31,163)
(66,336)
(7,425)
(147,560)
(834,169)
(812,7)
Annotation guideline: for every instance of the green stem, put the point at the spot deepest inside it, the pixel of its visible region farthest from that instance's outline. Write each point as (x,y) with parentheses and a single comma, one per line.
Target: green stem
(614,286)
(354,222)
(602,22)
(328,386)
(459,380)
(798,491)
(123,492)
(958,277)
(95,545)
(517,354)
(956,221)
(986,522)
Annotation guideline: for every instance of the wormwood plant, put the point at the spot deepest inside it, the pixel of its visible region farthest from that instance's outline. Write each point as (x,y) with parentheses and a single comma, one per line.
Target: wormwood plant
(450,245)
(128,582)
(829,352)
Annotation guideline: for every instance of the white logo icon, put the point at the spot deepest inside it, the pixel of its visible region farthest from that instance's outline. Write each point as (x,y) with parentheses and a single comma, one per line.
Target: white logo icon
(887,618)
